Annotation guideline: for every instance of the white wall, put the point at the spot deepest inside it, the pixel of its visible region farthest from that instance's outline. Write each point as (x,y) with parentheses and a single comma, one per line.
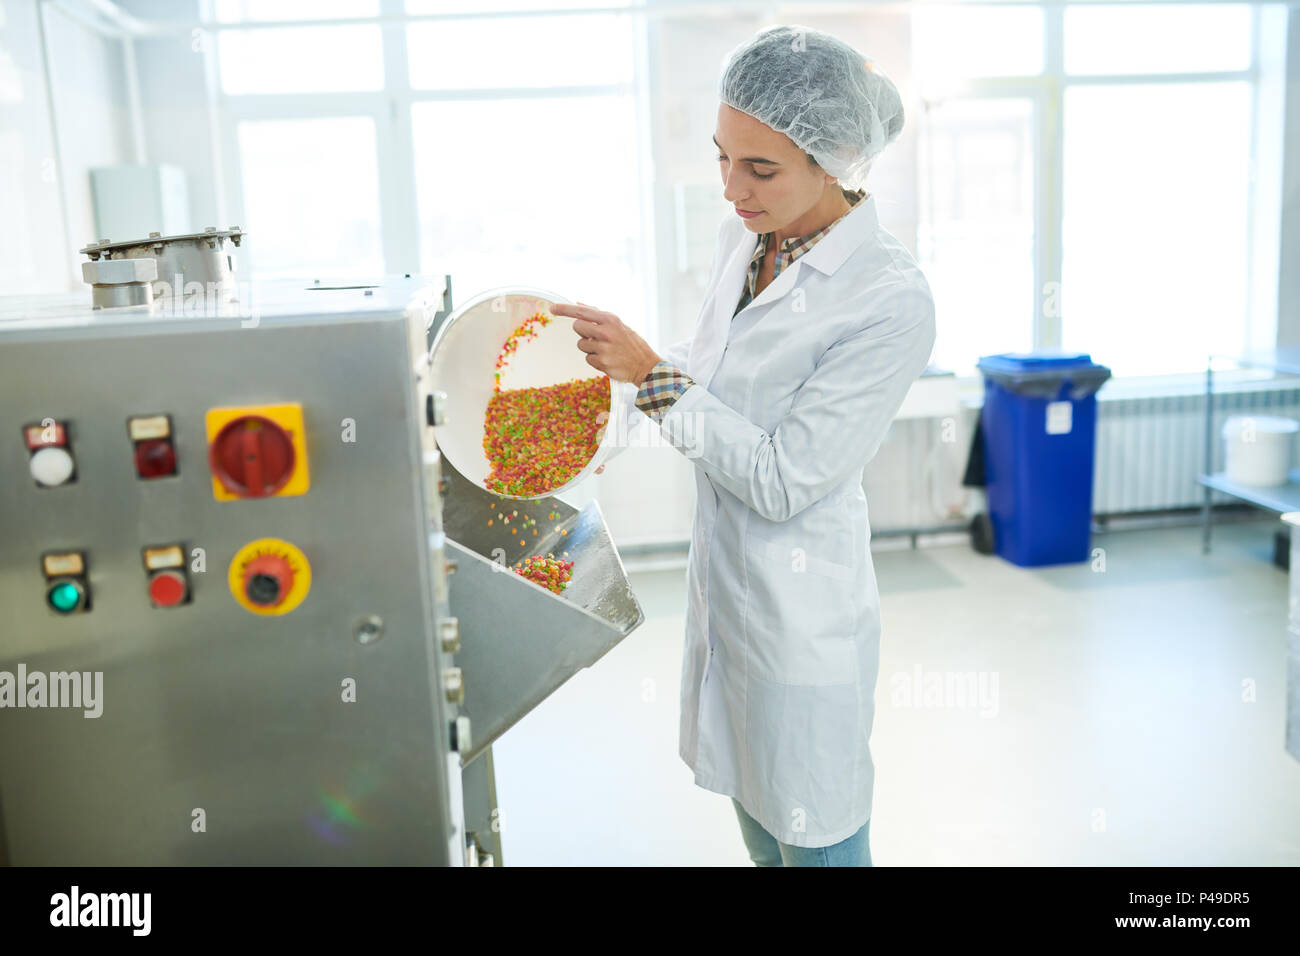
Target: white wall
(45,202)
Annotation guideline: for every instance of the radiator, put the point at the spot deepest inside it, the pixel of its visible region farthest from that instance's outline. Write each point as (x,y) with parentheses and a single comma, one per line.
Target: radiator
(1149,453)
(1150,450)
(914,481)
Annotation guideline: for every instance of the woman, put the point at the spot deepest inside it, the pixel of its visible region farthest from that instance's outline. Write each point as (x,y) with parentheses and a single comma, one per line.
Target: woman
(815,324)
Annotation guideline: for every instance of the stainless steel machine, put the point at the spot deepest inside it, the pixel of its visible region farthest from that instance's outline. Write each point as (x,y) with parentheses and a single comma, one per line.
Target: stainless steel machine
(250,616)
(1291,522)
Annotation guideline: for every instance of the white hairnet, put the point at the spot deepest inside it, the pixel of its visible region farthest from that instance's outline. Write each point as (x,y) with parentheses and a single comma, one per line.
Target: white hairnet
(834,103)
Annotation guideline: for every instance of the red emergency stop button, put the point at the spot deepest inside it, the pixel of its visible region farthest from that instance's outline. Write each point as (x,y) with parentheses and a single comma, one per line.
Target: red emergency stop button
(252,457)
(267,579)
(168,588)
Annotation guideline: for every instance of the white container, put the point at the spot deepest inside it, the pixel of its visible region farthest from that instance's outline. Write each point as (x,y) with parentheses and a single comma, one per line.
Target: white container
(463,360)
(1258,449)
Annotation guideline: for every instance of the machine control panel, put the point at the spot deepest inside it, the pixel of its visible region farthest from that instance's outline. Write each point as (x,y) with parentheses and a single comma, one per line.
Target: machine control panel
(254,451)
(221,560)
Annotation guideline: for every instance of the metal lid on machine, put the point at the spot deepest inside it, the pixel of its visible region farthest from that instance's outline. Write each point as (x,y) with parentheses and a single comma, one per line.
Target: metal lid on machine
(189,267)
(106,247)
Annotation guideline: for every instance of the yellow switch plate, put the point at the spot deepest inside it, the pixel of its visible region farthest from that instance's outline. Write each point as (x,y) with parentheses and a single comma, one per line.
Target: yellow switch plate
(289,417)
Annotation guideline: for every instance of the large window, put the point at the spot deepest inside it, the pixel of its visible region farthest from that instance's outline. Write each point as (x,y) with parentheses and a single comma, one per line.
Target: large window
(311,189)
(1156,223)
(527,155)
(521,51)
(1086,180)
(976,235)
(523,197)
(308,59)
(501,150)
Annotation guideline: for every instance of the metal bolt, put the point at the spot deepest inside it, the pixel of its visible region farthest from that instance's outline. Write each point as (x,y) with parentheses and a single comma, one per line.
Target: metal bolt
(369,629)
(449,634)
(460,734)
(453,684)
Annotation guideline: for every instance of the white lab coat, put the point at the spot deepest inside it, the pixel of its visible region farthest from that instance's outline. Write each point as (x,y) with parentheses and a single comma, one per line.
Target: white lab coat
(793,397)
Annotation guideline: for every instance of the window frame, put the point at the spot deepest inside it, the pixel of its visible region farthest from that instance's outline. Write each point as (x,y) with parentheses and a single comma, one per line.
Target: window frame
(390,109)
(1047,92)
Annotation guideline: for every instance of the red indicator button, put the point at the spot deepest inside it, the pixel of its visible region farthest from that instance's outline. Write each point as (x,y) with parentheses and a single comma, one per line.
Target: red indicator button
(252,457)
(168,588)
(155,458)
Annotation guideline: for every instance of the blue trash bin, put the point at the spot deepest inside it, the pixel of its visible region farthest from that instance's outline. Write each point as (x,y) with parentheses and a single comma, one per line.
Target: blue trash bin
(1040,427)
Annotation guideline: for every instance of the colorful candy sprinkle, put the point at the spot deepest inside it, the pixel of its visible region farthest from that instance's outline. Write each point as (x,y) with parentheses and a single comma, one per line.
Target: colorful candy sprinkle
(536,439)
(526,330)
(550,573)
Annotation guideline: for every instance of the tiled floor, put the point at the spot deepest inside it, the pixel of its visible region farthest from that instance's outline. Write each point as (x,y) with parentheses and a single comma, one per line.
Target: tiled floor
(1112,730)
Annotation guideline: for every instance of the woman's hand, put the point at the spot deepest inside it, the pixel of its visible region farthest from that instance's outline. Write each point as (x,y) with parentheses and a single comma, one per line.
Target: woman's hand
(610,345)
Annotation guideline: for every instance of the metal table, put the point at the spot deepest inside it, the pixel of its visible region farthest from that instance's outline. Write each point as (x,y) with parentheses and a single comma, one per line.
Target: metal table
(1279,499)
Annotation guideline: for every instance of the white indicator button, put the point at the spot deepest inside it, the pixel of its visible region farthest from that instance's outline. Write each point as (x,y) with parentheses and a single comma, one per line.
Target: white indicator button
(51,466)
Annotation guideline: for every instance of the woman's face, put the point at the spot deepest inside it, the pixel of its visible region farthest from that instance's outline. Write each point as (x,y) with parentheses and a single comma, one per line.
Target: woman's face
(763,171)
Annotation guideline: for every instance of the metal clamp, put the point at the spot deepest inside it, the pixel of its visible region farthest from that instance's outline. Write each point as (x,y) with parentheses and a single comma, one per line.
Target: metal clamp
(119,283)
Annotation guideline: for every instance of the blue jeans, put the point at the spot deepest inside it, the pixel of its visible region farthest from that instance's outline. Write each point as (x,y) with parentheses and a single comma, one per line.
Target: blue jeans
(766,850)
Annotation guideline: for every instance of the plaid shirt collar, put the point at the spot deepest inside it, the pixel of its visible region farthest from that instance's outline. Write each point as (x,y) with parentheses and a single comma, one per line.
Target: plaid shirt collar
(791,249)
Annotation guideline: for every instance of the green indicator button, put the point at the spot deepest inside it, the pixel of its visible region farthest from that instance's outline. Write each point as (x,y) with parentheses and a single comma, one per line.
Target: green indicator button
(65,597)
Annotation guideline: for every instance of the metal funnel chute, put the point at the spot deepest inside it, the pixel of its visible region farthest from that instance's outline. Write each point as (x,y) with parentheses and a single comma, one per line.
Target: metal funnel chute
(519,641)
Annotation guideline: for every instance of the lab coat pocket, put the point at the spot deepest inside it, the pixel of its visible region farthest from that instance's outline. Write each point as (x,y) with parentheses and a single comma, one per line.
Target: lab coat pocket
(805,744)
(801,618)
